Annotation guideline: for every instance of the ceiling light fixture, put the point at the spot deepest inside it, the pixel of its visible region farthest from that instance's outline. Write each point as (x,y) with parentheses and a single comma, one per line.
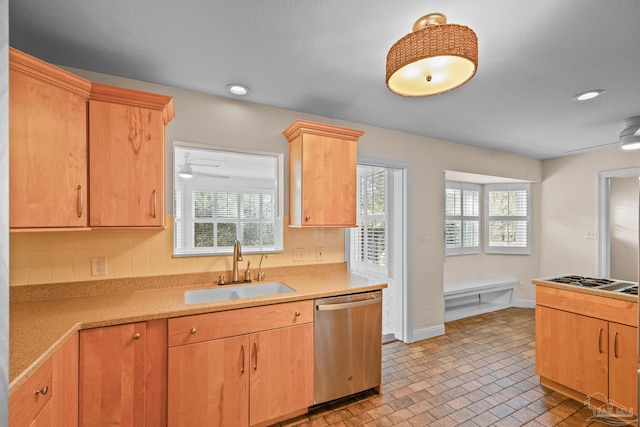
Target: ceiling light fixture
(185,170)
(435,58)
(589,94)
(630,135)
(238,89)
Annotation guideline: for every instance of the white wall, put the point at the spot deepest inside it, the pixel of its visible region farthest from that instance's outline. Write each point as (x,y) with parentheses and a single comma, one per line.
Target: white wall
(570,208)
(214,120)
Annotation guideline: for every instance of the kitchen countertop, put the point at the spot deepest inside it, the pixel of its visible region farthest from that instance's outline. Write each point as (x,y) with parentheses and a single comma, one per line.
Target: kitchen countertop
(586,290)
(39,327)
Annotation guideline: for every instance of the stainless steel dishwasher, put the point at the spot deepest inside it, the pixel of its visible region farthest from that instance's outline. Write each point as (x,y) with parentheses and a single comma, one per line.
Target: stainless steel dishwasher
(347,345)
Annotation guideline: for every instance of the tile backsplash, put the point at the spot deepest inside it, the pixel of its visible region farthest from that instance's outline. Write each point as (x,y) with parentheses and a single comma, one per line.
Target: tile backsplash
(66,256)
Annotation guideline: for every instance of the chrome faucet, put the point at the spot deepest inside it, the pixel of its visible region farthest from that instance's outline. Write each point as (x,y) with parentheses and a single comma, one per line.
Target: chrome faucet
(237,256)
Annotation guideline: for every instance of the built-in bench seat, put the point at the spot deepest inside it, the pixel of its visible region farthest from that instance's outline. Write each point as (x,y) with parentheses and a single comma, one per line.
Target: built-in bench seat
(465,298)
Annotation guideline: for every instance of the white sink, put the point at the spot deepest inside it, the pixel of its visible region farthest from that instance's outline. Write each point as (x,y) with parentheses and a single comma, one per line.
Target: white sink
(225,294)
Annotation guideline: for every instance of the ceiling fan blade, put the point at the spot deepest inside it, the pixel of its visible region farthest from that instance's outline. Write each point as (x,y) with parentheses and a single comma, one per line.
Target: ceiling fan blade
(593,147)
(211,175)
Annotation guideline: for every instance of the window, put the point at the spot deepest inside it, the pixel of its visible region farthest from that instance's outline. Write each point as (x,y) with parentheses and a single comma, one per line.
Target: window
(369,240)
(462,218)
(507,208)
(222,196)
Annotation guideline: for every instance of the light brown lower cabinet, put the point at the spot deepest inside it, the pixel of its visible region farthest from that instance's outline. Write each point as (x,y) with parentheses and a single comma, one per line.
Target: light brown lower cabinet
(50,396)
(209,383)
(256,378)
(585,354)
(123,375)
(572,350)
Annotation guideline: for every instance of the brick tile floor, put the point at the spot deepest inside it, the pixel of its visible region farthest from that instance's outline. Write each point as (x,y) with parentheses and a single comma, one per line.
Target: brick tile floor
(481,373)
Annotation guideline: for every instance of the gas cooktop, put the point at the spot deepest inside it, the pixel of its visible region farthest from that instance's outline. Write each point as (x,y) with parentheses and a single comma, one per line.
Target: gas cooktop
(589,282)
(610,285)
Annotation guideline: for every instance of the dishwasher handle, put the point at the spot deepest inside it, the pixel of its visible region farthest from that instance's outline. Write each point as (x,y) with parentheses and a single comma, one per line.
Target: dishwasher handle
(348,305)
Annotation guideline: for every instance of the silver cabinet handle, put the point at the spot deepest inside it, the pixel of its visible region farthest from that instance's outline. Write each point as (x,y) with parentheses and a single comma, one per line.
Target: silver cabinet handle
(193,330)
(155,202)
(615,345)
(242,368)
(346,305)
(600,340)
(136,336)
(43,391)
(255,355)
(80,201)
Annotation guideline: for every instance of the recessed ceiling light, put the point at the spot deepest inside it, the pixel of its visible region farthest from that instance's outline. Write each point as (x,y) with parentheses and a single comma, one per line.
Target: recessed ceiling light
(238,89)
(589,94)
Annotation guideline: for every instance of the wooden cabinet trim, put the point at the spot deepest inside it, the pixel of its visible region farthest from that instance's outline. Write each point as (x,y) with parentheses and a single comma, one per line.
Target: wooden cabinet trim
(135,98)
(50,74)
(223,324)
(312,128)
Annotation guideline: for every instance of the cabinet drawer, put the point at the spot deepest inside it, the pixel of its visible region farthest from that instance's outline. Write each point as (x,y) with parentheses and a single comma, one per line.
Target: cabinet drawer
(209,326)
(26,403)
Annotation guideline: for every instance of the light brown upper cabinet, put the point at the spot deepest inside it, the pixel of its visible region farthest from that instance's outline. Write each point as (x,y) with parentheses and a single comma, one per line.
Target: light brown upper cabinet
(127,157)
(322,175)
(47,145)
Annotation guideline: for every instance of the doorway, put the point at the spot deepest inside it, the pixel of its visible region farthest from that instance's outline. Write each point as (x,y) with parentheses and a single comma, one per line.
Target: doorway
(618,224)
(377,247)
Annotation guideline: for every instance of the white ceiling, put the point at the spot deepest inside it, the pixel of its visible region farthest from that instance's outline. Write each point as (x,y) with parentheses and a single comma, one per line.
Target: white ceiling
(328,58)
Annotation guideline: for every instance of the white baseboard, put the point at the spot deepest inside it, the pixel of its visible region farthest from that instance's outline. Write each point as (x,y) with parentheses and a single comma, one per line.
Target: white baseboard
(426,333)
(524,303)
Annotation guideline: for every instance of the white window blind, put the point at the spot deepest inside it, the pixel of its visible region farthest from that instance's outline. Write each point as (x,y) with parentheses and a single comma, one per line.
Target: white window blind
(210,221)
(462,218)
(369,240)
(508,223)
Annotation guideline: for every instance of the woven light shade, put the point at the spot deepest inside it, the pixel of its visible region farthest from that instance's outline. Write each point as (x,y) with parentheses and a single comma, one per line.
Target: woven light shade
(435,58)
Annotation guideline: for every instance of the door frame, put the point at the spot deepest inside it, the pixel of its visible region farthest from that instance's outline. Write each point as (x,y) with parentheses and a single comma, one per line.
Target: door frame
(406,169)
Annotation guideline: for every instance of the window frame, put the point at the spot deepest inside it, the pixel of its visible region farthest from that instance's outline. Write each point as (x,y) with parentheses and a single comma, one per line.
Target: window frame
(462,250)
(185,220)
(508,250)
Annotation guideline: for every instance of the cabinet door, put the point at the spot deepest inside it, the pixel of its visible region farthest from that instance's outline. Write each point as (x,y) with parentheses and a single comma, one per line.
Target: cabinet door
(209,383)
(112,375)
(281,372)
(127,165)
(623,365)
(572,350)
(48,154)
(328,181)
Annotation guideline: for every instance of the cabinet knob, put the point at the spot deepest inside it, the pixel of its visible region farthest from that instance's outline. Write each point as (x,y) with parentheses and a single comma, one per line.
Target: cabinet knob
(194,330)
(307,218)
(136,336)
(297,314)
(44,390)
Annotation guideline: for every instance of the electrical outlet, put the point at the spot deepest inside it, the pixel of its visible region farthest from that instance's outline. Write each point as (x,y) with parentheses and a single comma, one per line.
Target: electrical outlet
(521,285)
(590,234)
(298,254)
(99,266)
(425,235)
(319,254)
